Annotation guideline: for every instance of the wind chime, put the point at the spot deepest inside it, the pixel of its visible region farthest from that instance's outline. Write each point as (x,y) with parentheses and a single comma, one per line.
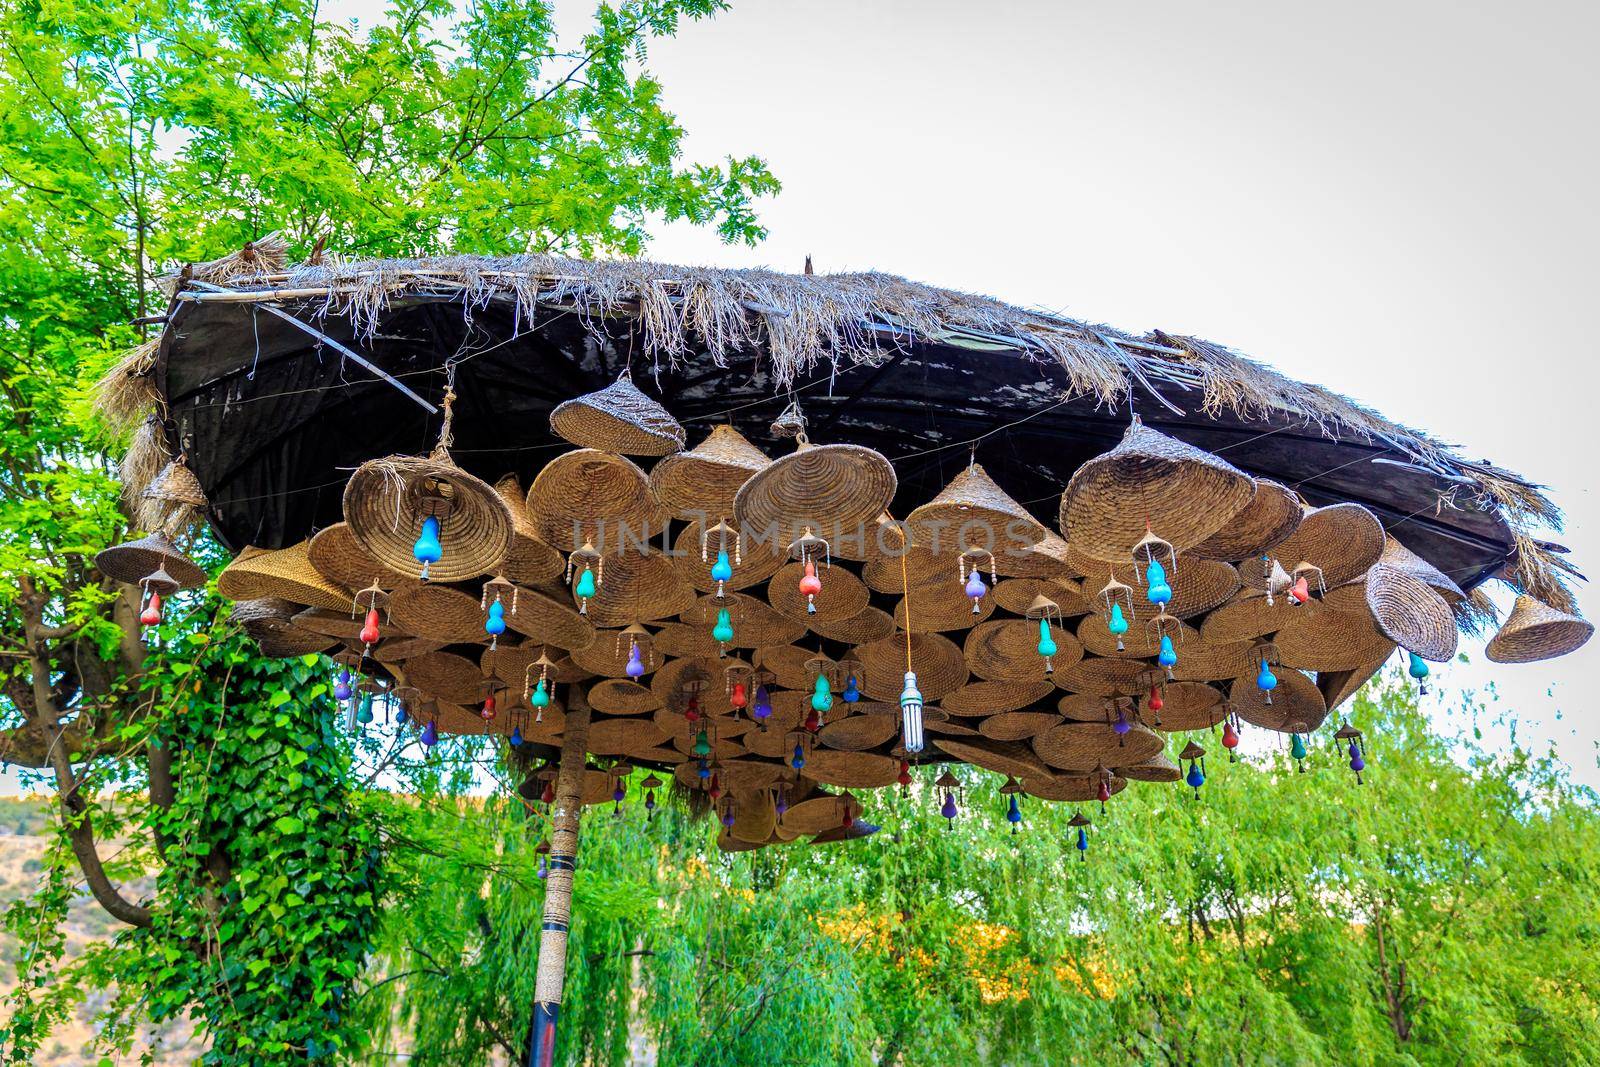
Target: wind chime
(722,630)
(761,699)
(1264,654)
(1300,585)
(361,713)
(1158,590)
(617,772)
(729,811)
(1042,611)
(650,785)
(807,548)
(824,673)
(802,743)
(736,685)
(1351,739)
(780,799)
(1196,758)
(156,585)
(1118,717)
(590,566)
(1418,669)
(1297,751)
(537,694)
(1011,791)
(1114,595)
(494,608)
(904,778)
(949,786)
(641,644)
(1081,823)
(490,709)
(1102,791)
(969,568)
(852,672)
(722,569)
(374,599)
(1230,732)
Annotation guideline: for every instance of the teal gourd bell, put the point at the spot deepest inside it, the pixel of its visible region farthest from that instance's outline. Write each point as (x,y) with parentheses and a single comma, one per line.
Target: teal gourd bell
(428,550)
(1155,579)
(722,569)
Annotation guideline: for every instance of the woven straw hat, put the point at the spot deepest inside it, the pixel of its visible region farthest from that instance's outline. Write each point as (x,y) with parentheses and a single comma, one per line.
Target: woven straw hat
(1209,661)
(386,500)
(548,621)
(1088,707)
(1343,539)
(335,554)
(939,606)
(816,814)
(843,594)
(439,612)
(882,570)
(972,512)
(1017,725)
(618,418)
(333,623)
(1332,641)
(755,623)
(624,737)
(622,696)
(993,697)
(1103,677)
(1016,595)
(681,639)
(1198,585)
(857,733)
(865,626)
(1007,650)
(177,485)
(638,587)
(1157,768)
(1079,788)
(726,842)
(677,679)
(1142,640)
(270,621)
(1184,706)
(755,816)
(528,560)
(1050,558)
(1001,757)
(133,561)
(1183,493)
(401,647)
(446,676)
(936,659)
(758,561)
(788,665)
(1297,705)
(1339,686)
(510,664)
(1536,631)
(281,572)
(836,487)
(1248,616)
(702,482)
(1084,746)
(596,497)
(851,770)
(950,728)
(1410,613)
(1272,516)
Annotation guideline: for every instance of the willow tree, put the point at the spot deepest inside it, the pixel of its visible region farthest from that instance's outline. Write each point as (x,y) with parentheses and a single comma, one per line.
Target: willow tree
(135,137)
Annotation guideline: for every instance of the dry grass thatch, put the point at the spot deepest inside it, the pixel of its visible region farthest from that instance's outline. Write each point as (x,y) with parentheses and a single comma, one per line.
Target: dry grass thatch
(796,322)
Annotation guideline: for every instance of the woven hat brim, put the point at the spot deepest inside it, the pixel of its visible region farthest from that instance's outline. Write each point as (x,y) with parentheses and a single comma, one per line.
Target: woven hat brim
(618,418)
(475,530)
(133,561)
(1410,613)
(1270,517)
(596,497)
(1535,631)
(285,573)
(837,490)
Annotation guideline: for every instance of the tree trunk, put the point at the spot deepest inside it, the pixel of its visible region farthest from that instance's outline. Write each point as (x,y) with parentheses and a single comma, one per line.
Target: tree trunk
(551,973)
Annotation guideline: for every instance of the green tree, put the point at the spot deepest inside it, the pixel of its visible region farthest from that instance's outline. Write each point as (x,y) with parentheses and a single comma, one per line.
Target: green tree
(135,137)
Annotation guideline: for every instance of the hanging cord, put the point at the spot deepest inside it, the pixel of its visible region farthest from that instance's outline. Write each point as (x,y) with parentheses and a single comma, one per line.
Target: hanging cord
(447,436)
(905,583)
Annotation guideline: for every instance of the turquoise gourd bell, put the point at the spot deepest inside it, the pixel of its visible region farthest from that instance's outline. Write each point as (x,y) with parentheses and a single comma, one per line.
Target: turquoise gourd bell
(495,624)
(364,715)
(1117,625)
(540,697)
(1418,669)
(722,569)
(821,694)
(723,630)
(428,550)
(586,584)
(1155,579)
(1047,645)
(1266,681)
(1167,656)
(1297,752)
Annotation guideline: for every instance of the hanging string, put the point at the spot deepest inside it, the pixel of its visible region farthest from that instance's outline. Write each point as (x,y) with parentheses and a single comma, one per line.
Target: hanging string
(905,583)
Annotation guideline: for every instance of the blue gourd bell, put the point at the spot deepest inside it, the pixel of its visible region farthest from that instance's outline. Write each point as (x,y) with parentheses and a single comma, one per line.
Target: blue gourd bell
(1357,762)
(798,760)
(1083,843)
(1014,813)
(975,589)
(852,691)
(635,666)
(1418,669)
(430,734)
(1266,681)
(1167,656)
(948,808)
(1155,579)
(495,624)
(1196,777)
(516,737)
(428,550)
(1122,725)
(341,686)
(761,706)
(400,715)
(722,569)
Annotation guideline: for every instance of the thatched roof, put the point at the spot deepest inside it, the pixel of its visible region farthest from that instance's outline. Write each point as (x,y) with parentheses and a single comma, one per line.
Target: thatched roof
(713,338)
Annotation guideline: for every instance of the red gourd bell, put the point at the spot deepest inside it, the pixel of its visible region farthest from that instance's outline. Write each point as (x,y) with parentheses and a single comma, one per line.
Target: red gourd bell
(549,794)
(151,615)
(1230,736)
(1104,792)
(692,711)
(810,584)
(813,721)
(488,713)
(738,699)
(1300,591)
(369,632)
(1155,702)
(716,788)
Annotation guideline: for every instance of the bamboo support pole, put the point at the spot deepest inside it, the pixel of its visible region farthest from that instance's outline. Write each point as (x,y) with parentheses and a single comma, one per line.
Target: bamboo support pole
(551,972)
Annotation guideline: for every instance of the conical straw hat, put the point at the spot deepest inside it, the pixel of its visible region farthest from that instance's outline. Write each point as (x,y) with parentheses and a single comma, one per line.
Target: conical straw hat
(133,561)
(1017,725)
(843,594)
(1001,757)
(446,676)
(972,512)
(1269,518)
(280,572)
(1157,768)
(1184,494)
(1084,746)
(756,624)
(700,484)
(1103,677)
(624,736)
(1297,705)
(618,418)
(595,497)
(622,696)
(1142,640)
(1210,661)
(1185,706)
(1198,585)
(401,647)
(1070,787)
(172,500)
(387,499)
(857,733)
(888,571)
(865,626)
(940,605)
(1248,616)
(1536,631)
(270,621)
(529,560)
(440,613)
(1007,650)
(1399,556)
(936,659)
(1409,612)
(754,816)
(1333,641)
(1050,558)
(977,699)
(851,770)
(637,587)
(1342,539)
(1016,595)
(757,560)
(548,621)
(336,555)
(838,490)
(815,814)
